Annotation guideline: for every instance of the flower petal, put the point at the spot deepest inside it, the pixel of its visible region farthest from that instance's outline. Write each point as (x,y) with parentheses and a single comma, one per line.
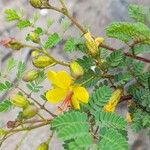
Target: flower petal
(60,79)
(81,94)
(52,76)
(56,95)
(63,79)
(75,103)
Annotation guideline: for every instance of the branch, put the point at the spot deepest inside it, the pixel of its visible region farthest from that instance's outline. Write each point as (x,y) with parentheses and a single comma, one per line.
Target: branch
(41,106)
(127,54)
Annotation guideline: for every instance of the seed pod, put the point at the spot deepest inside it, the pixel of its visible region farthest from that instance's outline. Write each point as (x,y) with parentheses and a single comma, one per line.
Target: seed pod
(114,99)
(43,61)
(30,111)
(76,70)
(30,75)
(19,101)
(36,3)
(34,37)
(43,146)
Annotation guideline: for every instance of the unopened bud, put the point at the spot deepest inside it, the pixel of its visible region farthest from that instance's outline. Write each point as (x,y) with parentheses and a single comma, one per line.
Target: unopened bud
(39,3)
(35,53)
(99,41)
(19,101)
(43,61)
(30,111)
(30,75)
(12,43)
(34,37)
(76,70)
(113,101)
(15,45)
(93,44)
(36,3)
(43,146)
(128,117)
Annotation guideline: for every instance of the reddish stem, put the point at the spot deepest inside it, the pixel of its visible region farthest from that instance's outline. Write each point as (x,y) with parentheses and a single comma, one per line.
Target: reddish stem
(127,54)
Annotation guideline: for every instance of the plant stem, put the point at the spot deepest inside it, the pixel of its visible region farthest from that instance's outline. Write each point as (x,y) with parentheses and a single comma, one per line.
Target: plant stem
(127,54)
(40,105)
(79,26)
(47,54)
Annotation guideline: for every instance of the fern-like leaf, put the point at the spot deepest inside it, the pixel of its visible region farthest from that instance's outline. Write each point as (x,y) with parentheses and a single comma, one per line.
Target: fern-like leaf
(112,140)
(126,31)
(72,125)
(110,120)
(99,98)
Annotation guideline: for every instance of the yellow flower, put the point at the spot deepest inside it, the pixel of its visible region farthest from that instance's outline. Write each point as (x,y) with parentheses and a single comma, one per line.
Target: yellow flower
(128,117)
(65,90)
(113,101)
(93,44)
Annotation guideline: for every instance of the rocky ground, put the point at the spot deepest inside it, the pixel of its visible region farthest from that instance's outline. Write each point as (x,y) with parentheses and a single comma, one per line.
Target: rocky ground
(94,13)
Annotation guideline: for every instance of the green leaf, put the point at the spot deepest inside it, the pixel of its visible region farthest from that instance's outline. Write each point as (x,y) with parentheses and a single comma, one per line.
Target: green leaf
(110,120)
(52,40)
(5,86)
(99,98)
(65,24)
(11,63)
(49,22)
(35,86)
(72,126)
(70,45)
(21,69)
(139,13)
(122,78)
(83,142)
(73,131)
(23,24)
(11,15)
(89,79)
(115,58)
(112,140)
(127,31)
(141,49)
(5,106)
(86,62)
(39,30)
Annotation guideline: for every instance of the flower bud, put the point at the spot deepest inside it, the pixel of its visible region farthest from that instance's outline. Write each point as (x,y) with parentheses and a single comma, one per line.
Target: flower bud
(12,43)
(113,101)
(43,146)
(39,3)
(30,111)
(36,3)
(43,61)
(19,101)
(91,44)
(35,53)
(30,75)
(34,37)
(99,41)
(76,70)
(15,45)
(128,117)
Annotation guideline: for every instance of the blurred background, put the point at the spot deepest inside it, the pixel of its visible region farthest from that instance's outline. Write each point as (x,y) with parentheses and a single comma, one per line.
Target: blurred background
(96,14)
